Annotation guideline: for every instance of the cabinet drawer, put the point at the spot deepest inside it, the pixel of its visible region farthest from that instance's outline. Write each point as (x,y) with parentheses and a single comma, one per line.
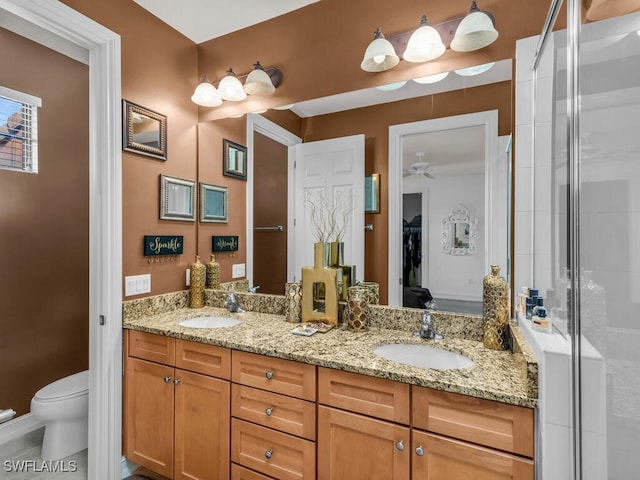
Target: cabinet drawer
(287,414)
(152,347)
(202,358)
(485,422)
(274,374)
(241,473)
(273,453)
(372,396)
(442,457)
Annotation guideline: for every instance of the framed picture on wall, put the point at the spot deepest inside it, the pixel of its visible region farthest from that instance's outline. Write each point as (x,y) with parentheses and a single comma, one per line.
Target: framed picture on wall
(234,159)
(144,131)
(177,198)
(213,203)
(372,193)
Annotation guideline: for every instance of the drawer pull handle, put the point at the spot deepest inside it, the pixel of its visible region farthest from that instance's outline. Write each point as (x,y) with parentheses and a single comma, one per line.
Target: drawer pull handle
(268,453)
(419,451)
(400,446)
(176,381)
(268,411)
(167,379)
(269,374)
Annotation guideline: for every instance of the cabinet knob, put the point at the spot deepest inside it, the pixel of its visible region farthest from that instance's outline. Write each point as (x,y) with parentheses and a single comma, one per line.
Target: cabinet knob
(176,381)
(419,451)
(269,374)
(268,453)
(400,446)
(167,379)
(268,411)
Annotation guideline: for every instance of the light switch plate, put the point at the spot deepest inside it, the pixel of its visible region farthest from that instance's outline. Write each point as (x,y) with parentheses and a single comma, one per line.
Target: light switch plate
(137,284)
(238,270)
(188,277)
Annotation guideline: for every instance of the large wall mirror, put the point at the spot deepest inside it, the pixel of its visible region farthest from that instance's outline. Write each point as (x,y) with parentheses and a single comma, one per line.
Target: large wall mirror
(458,91)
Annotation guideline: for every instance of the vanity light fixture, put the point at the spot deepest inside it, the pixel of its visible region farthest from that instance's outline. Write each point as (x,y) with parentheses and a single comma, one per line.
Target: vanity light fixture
(475,70)
(230,88)
(476,31)
(424,44)
(379,55)
(258,82)
(436,77)
(206,94)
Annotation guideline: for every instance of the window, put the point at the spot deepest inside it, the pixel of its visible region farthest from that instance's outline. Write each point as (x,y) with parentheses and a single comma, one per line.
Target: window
(18,131)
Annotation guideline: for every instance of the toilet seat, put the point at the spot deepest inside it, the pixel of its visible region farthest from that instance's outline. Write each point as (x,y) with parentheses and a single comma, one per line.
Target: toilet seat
(68,387)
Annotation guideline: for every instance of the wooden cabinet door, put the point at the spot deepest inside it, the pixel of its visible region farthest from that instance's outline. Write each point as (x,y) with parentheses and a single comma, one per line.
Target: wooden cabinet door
(354,446)
(201,427)
(436,457)
(149,415)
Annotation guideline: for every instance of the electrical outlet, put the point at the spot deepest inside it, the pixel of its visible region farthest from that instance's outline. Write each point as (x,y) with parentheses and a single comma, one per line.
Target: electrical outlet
(137,284)
(238,270)
(188,277)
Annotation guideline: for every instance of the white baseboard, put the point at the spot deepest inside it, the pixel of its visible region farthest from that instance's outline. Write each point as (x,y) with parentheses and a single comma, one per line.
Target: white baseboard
(18,427)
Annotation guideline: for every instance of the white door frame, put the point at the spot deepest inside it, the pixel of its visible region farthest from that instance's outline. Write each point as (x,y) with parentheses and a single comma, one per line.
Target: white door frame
(490,121)
(54,21)
(257,123)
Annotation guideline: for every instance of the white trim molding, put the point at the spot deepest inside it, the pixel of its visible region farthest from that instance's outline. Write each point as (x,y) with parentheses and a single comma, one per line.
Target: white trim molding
(76,33)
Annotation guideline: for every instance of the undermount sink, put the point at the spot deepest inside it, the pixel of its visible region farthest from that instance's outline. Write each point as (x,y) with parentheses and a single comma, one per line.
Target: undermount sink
(209,322)
(423,356)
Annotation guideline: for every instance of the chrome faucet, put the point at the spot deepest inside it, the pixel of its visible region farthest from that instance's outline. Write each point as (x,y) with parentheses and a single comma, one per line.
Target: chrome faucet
(426,327)
(231,302)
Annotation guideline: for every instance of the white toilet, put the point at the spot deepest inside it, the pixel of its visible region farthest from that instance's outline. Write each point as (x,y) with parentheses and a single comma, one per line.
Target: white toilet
(64,407)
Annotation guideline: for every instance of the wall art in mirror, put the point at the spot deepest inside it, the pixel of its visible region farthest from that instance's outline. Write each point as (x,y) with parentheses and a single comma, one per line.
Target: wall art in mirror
(234,159)
(459,232)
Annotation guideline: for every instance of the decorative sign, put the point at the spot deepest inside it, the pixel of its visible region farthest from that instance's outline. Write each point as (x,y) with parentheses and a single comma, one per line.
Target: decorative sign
(227,243)
(163,245)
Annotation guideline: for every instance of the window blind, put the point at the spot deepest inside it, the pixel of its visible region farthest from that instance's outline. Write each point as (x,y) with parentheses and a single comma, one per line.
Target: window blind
(18,131)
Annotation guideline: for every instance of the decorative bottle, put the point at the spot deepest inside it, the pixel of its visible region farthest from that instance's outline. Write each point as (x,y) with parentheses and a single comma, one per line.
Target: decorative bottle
(495,308)
(213,273)
(196,289)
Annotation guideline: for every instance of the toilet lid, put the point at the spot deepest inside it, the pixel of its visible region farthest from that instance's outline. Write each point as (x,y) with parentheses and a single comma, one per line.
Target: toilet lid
(70,386)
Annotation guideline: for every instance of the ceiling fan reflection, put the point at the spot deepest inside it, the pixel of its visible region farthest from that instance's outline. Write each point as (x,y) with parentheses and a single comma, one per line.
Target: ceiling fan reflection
(418,168)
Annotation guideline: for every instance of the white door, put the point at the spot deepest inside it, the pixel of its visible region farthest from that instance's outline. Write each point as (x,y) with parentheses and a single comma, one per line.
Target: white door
(333,169)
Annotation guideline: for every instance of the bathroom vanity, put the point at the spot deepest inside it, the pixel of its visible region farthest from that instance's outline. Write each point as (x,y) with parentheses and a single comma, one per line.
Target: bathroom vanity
(254,401)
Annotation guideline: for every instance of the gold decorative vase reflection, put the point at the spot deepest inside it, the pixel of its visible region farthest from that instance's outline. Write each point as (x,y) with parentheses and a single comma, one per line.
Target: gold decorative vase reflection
(495,310)
(320,289)
(357,305)
(293,299)
(196,288)
(213,273)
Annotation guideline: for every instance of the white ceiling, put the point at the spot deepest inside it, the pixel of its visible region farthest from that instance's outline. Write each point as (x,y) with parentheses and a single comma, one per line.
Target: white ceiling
(202,20)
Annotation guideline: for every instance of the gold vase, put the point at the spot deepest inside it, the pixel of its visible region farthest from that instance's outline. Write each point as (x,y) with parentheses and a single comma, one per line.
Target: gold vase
(495,310)
(196,289)
(357,305)
(320,289)
(213,273)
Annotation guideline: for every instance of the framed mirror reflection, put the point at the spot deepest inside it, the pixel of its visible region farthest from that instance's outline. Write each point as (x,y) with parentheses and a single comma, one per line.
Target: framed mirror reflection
(213,203)
(234,159)
(144,131)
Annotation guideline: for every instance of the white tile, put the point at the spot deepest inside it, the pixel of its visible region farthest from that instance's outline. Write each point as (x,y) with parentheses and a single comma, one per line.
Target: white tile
(524,146)
(523,244)
(593,390)
(543,272)
(525,50)
(524,103)
(543,147)
(523,189)
(523,270)
(545,62)
(557,383)
(543,184)
(556,453)
(594,456)
(542,233)
(544,100)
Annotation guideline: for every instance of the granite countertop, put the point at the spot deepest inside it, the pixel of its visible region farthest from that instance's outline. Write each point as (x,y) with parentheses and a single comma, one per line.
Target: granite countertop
(495,375)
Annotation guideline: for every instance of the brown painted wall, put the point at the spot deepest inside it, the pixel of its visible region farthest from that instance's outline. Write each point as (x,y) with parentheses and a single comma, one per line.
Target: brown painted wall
(159,72)
(44,220)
